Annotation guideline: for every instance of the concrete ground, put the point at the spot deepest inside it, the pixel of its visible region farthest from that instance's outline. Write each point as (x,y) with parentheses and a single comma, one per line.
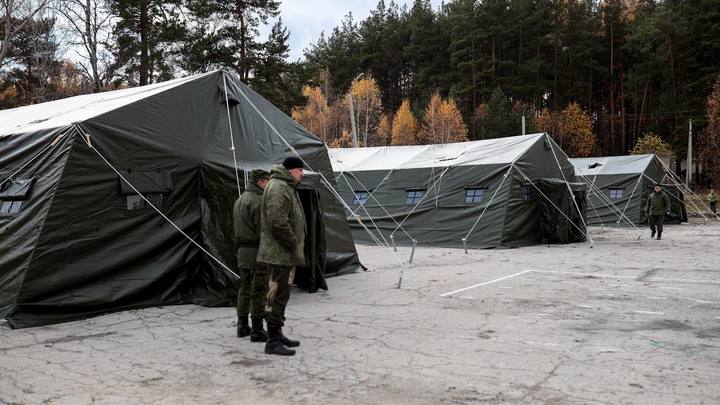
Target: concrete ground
(624,322)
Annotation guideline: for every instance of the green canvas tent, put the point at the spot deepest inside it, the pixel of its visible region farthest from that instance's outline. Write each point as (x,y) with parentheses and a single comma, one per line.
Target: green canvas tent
(479,194)
(78,240)
(620,185)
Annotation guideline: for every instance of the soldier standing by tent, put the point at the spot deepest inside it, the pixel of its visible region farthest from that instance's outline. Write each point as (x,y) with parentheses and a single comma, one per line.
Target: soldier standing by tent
(712,200)
(282,247)
(658,204)
(253,284)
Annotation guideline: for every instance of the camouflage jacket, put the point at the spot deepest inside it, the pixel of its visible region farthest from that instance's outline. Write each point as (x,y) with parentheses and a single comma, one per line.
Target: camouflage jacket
(657,204)
(282,240)
(246,215)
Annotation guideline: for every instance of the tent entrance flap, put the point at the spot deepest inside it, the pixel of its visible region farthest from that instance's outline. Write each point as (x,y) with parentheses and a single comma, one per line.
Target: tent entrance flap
(312,276)
(560,221)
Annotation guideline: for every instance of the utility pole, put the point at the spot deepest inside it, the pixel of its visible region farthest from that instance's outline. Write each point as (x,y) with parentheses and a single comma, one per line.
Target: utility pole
(352,121)
(688,170)
(523,124)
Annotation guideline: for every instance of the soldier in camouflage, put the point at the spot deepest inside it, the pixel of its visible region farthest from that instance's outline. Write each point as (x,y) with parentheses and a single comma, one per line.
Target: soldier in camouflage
(253,283)
(282,247)
(657,206)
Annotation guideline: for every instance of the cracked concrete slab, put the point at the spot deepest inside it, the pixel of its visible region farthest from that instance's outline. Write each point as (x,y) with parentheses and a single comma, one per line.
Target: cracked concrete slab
(625,322)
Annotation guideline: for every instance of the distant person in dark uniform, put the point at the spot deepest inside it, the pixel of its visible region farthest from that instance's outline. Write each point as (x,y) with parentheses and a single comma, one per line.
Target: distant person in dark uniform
(658,205)
(712,200)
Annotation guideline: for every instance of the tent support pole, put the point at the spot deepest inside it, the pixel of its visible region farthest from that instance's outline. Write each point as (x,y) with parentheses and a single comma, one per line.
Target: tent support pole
(412,252)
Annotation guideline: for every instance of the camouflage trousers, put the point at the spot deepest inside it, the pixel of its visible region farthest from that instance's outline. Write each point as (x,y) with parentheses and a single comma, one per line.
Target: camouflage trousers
(278,294)
(251,295)
(656,221)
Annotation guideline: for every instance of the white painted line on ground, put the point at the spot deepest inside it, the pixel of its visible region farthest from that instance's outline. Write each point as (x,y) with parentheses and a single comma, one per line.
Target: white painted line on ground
(589,275)
(649,312)
(586,306)
(485,283)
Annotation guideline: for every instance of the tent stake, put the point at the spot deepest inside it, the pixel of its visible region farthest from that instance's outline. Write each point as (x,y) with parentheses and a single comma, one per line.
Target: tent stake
(392,239)
(412,252)
(464,241)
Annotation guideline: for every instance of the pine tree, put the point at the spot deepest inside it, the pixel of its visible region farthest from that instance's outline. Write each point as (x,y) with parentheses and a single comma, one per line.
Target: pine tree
(146,37)
(500,120)
(225,34)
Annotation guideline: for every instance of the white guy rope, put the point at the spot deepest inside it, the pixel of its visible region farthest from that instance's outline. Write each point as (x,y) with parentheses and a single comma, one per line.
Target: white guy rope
(505,176)
(608,203)
(325,181)
(582,217)
(587,235)
(678,183)
(690,199)
(371,195)
(679,200)
(602,224)
(232,140)
(362,206)
(631,196)
(53,143)
(86,138)
(421,200)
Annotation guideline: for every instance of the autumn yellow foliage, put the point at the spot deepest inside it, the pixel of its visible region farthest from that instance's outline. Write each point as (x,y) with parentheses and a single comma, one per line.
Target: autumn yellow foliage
(405,127)
(315,115)
(442,122)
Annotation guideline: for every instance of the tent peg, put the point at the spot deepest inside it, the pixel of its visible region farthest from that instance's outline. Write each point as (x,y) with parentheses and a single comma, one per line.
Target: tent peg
(464,241)
(392,239)
(412,252)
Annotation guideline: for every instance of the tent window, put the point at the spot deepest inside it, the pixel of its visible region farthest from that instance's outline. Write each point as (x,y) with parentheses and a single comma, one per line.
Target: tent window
(135,202)
(10,207)
(474,195)
(414,196)
(360,197)
(526,192)
(616,193)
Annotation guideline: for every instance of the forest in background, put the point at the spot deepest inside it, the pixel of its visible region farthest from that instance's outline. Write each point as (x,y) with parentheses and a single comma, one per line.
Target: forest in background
(602,77)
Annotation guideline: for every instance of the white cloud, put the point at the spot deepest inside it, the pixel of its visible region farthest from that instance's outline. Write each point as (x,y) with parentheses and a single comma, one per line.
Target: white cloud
(306,19)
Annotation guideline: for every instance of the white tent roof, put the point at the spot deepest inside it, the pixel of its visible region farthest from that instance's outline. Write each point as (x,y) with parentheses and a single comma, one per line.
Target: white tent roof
(489,151)
(65,112)
(611,165)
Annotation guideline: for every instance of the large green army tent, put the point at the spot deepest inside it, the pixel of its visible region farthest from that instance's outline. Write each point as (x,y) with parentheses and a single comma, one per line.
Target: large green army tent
(80,177)
(620,185)
(479,194)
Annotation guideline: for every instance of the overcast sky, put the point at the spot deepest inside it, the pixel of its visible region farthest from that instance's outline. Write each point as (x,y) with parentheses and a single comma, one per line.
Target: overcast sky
(306,19)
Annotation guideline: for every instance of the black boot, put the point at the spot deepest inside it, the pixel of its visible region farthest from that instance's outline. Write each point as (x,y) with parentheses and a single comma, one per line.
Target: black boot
(243,329)
(288,342)
(659,235)
(652,233)
(274,345)
(257,333)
